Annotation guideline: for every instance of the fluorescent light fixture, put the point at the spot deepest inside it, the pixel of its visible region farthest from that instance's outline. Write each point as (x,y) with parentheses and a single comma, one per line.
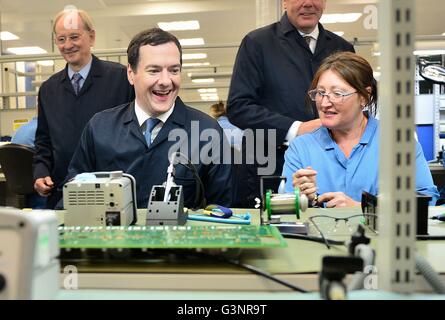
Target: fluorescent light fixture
(6,35)
(26,50)
(339,33)
(377,54)
(179,25)
(419,53)
(209,94)
(210,98)
(340,17)
(195,64)
(208,90)
(191,42)
(428,52)
(208,80)
(190,56)
(46,63)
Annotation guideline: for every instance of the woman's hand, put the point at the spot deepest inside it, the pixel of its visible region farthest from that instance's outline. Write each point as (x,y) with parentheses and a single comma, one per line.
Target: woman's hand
(337,199)
(304,179)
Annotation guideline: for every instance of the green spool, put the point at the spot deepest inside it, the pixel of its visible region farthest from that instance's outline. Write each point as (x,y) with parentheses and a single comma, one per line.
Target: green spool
(297,202)
(268,204)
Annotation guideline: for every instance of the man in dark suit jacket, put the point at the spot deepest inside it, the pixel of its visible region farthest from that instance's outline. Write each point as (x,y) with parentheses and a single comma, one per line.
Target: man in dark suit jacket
(272,73)
(139,137)
(69,98)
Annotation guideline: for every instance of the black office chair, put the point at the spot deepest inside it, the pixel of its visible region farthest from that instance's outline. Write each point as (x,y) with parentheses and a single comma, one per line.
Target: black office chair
(16,164)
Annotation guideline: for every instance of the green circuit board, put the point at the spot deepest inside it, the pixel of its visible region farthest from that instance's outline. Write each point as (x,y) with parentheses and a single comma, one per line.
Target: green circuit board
(170,237)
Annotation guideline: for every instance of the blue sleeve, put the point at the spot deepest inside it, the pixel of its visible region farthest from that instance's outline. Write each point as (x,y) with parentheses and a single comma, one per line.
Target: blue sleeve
(25,135)
(292,163)
(424,180)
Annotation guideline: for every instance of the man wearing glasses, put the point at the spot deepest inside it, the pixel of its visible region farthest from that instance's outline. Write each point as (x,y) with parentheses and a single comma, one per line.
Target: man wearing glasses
(69,98)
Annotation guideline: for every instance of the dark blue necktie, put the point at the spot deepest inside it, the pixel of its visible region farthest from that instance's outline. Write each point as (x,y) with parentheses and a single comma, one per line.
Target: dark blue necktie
(150,123)
(75,80)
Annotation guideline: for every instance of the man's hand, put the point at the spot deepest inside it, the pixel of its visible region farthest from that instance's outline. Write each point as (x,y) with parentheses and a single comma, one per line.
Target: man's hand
(337,199)
(43,186)
(304,179)
(308,126)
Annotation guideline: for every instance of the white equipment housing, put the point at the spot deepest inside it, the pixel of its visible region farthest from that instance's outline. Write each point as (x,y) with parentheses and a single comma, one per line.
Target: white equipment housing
(100,199)
(29,247)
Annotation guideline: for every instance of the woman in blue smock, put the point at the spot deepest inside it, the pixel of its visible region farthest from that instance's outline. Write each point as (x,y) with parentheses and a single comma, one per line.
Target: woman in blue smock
(340,159)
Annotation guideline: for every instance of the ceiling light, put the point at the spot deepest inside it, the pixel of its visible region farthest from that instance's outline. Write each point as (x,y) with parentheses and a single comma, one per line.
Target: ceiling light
(339,33)
(26,50)
(208,80)
(209,94)
(6,35)
(46,63)
(191,42)
(340,17)
(210,98)
(428,52)
(190,56)
(195,64)
(208,90)
(443,34)
(179,25)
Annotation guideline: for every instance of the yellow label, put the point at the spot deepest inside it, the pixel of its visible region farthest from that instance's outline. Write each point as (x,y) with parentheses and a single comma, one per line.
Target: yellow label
(18,123)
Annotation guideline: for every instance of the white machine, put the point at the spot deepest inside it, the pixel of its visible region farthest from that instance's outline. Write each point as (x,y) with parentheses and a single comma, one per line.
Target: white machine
(100,199)
(29,247)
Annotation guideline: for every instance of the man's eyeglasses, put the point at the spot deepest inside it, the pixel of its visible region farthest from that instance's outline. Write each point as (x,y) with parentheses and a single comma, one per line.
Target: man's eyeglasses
(72,37)
(334,96)
(335,226)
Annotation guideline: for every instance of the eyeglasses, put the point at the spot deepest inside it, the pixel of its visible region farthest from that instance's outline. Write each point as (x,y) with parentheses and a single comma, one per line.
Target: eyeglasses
(334,97)
(335,226)
(72,37)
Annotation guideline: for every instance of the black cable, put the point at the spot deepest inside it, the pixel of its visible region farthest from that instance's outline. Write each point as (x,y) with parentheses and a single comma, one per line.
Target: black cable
(250,268)
(200,201)
(314,239)
(427,237)
(197,203)
(264,274)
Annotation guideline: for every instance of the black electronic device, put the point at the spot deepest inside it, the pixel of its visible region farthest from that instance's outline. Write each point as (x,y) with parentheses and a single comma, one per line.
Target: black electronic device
(369,205)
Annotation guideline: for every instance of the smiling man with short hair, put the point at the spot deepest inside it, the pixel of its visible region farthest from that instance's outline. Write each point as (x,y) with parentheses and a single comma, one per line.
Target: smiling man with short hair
(137,137)
(69,98)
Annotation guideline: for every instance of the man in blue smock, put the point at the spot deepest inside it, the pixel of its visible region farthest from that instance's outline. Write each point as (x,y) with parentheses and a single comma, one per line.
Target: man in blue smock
(139,137)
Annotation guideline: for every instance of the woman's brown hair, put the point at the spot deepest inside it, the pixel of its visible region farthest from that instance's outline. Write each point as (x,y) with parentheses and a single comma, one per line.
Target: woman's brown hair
(217,110)
(356,71)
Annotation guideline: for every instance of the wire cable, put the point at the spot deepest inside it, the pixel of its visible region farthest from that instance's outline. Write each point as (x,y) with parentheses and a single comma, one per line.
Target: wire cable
(265,275)
(250,268)
(430,275)
(312,238)
(200,201)
(427,237)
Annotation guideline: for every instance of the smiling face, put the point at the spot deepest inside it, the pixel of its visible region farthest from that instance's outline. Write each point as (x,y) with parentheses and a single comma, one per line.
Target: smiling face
(344,115)
(157,77)
(304,14)
(73,40)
